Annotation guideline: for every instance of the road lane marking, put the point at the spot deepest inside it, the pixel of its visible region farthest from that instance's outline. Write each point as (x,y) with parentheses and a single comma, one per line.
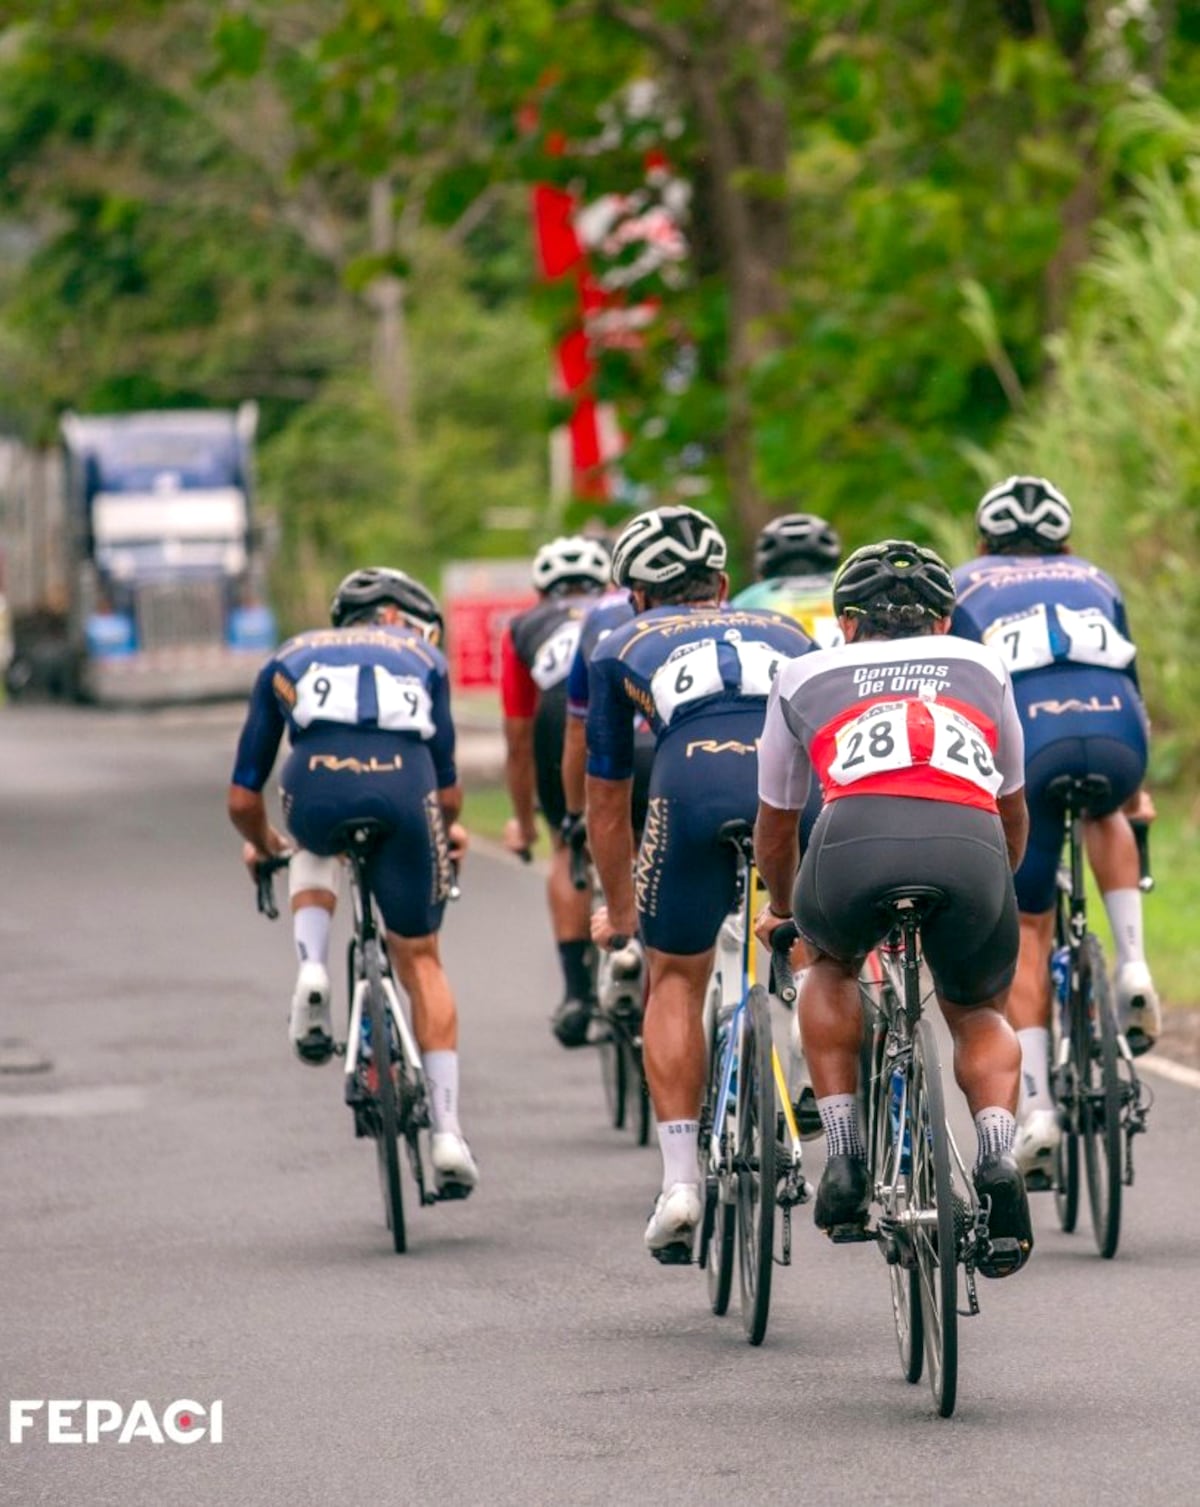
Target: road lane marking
(1166,1067)
(74,1104)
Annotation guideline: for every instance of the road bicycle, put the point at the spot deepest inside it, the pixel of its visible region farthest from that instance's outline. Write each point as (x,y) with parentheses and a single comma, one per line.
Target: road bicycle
(1102,1104)
(393,1105)
(931,1227)
(750,1154)
(616,1029)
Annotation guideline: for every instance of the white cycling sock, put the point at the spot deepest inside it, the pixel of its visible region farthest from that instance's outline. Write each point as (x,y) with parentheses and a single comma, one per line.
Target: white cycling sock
(1124,909)
(839,1120)
(310,927)
(1035,1068)
(678,1141)
(441,1077)
(996,1130)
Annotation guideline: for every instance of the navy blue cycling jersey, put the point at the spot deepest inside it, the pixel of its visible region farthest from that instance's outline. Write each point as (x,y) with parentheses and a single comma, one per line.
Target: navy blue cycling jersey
(612,611)
(378,678)
(674,663)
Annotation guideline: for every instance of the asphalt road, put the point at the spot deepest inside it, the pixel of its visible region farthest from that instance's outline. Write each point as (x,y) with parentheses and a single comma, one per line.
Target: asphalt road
(184,1213)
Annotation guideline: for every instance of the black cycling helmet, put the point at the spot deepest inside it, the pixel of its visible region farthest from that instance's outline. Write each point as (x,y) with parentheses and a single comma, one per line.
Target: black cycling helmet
(667,545)
(897,587)
(1024,513)
(796,539)
(364,590)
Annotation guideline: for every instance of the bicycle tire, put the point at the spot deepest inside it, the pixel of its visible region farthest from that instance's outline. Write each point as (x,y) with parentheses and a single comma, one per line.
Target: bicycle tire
(935,1243)
(387,1143)
(720,1221)
(1066,1179)
(756,1166)
(1100,1109)
(613,1065)
(637,1104)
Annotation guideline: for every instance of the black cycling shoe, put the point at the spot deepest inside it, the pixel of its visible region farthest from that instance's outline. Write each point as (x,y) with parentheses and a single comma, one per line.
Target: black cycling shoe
(570,1021)
(842,1202)
(1010,1230)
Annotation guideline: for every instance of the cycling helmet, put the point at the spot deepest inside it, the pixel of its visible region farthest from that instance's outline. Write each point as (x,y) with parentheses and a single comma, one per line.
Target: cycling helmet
(667,544)
(796,539)
(571,562)
(896,585)
(363,590)
(1024,510)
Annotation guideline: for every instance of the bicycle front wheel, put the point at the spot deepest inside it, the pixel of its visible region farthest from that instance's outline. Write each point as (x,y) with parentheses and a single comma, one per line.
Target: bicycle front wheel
(756,1166)
(932,1218)
(1100,1104)
(387,1147)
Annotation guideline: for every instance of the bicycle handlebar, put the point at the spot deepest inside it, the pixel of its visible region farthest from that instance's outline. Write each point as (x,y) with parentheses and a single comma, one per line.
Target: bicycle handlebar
(1141,835)
(783,980)
(579,868)
(264,876)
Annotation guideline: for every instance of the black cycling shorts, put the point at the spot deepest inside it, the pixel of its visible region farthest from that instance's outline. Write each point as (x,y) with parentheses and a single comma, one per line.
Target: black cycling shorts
(341,774)
(863,846)
(705,773)
(549,727)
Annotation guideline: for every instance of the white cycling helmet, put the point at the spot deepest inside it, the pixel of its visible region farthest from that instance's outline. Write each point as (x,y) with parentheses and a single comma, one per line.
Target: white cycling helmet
(571,562)
(667,544)
(1024,511)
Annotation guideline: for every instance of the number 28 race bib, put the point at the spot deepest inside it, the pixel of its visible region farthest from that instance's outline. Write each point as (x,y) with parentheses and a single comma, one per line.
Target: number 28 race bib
(895,735)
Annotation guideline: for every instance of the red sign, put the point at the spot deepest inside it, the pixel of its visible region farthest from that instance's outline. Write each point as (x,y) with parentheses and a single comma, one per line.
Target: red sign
(474,627)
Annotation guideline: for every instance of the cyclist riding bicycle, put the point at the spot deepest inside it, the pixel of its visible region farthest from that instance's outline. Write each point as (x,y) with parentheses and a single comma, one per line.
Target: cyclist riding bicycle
(366,705)
(915,740)
(795,558)
(536,654)
(699,672)
(1059,623)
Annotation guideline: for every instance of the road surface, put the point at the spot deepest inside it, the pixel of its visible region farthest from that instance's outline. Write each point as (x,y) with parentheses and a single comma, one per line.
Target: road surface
(184,1213)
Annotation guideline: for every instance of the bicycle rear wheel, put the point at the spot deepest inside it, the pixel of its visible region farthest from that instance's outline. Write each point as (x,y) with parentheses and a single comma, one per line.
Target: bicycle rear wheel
(387,1147)
(614,1072)
(1066,1178)
(755,1163)
(1100,1107)
(637,1102)
(720,1219)
(932,1228)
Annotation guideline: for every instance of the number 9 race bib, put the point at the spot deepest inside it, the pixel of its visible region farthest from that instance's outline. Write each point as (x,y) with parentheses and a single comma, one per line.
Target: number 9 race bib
(326,693)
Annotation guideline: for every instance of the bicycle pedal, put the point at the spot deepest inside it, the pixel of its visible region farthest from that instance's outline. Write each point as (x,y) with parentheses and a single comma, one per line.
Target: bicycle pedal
(451,1192)
(678,1253)
(1038,1180)
(851,1234)
(1003,1257)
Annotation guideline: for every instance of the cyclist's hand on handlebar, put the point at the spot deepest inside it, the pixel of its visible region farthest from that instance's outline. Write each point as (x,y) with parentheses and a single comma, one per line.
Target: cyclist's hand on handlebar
(252,856)
(459,839)
(1140,807)
(605,929)
(766,923)
(519,838)
(574,831)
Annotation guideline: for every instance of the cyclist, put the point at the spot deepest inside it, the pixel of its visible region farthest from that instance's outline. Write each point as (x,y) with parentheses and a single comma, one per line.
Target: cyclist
(1059,623)
(536,654)
(366,704)
(915,739)
(795,558)
(699,672)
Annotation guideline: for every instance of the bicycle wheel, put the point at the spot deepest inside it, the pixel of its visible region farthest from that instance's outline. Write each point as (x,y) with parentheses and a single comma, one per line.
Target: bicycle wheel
(614,1072)
(637,1103)
(387,1148)
(1100,1107)
(1066,1178)
(755,1165)
(720,1219)
(932,1229)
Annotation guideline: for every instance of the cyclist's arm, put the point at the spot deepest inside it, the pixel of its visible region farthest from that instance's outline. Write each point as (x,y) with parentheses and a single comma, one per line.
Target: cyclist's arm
(518,695)
(777,854)
(1014,818)
(574,763)
(1010,763)
(610,837)
(257,747)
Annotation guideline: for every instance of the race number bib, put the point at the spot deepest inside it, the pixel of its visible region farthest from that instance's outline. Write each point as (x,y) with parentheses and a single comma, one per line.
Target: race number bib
(326,693)
(552,662)
(690,674)
(873,743)
(1023,641)
(1093,639)
(959,748)
(404,704)
(758,666)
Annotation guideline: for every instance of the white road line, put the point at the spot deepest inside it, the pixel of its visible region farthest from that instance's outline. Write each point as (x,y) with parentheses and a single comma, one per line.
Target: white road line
(1165,1067)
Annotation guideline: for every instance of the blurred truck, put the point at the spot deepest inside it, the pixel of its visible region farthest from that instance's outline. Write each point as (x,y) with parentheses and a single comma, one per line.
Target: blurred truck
(132,564)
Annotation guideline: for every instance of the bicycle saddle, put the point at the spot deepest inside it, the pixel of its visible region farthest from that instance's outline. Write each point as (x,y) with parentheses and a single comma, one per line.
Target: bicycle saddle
(1081,793)
(923,898)
(739,833)
(359,836)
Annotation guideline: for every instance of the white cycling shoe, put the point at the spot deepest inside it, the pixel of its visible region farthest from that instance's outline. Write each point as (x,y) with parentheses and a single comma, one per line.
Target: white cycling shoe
(454,1169)
(311,1025)
(1138,1007)
(1038,1136)
(673,1224)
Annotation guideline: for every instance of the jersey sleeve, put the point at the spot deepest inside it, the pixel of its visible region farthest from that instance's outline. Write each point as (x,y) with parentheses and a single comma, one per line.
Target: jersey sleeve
(441,745)
(518,693)
(610,718)
(577,681)
(261,733)
(1010,743)
(784,768)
